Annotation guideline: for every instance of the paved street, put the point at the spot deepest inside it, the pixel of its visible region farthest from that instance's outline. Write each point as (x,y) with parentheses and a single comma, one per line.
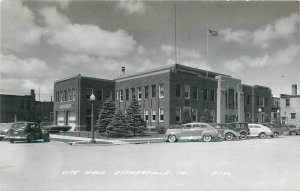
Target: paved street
(270,164)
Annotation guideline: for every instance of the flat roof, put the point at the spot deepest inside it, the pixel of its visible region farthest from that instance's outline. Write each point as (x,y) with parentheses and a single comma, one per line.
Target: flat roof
(79,75)
(168,67)
(289,96)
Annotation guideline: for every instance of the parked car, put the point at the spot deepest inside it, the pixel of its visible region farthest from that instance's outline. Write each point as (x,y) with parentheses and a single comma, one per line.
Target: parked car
(4,127)
(259,130)
(277,129)
(27,131)
(241,128)
(192,131)
(225,132)
(293,130)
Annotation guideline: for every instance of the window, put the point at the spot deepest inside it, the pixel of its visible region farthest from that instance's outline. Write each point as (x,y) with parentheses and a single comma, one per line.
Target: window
(178,90)
(161,90)
(127,94)
(121,96)
(205,94)
(28,104)
(248,99)
(70,95)
(139,93)
(226,99)
(293,115)
(89,92)
(146,90)
(212,95)
(73,94)
(132,92)
(161,114)
(195,93)
(257,100)
(194,114)
(153,93)
(146,115)
(178,114)
(99,95)
(230,98)
(287,102)
(186,91)
(57,97)
(266,101)
(236,100)
(108,94)
(65,95)
(262,101)
(22,104)
(117,94)
(61,96)
(153,115)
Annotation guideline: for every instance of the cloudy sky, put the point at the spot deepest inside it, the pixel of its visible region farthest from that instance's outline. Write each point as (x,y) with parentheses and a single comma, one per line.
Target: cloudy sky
(41,41)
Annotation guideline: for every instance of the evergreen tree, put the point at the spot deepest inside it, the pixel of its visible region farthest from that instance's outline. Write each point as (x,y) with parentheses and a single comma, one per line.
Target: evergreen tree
(186,116)
(118,126)
(105,115)
(206,116)
(136,123)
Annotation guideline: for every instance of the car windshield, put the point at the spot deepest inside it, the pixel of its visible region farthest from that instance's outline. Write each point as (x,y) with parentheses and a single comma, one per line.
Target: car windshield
(19,126)
(4,126)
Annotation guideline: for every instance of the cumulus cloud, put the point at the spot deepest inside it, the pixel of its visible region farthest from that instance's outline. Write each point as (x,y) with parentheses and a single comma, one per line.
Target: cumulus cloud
(18,29)
(281,57)
(281,28)
(132,7)
(141,50)
(53,18)
(167,49)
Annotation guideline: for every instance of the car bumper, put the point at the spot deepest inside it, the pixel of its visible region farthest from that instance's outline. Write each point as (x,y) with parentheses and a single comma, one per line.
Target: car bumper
(16,137)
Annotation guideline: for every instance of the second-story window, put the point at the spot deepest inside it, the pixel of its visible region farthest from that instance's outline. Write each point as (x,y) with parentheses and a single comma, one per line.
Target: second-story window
(99,95)
(139,93)
(57,97)
(287,102)
(146,90)
(126,94)
(205,94)
(187,91)
(121,95)
(178,90)
(161,90)
(195,93)
(65,95)
(153,91)
(73,94)
(61,96)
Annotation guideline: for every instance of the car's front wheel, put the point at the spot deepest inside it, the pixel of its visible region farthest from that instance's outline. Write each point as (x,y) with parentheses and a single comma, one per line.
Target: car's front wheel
(11,140)
(293,133)
(243,135)
(229,136)
(207,138)
(262,136)
(172,138)
(276,135)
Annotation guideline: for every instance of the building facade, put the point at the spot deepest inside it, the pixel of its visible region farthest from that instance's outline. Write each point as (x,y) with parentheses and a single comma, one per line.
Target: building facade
(72,105)
(163,94)
(290,107)
(15,108)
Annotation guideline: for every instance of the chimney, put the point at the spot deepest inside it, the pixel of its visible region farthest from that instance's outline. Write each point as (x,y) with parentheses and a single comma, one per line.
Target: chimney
(32,93)
(123,71)
(294,89)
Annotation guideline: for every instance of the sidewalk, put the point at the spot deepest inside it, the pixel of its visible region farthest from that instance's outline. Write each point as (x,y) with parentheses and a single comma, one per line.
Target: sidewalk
(84,141)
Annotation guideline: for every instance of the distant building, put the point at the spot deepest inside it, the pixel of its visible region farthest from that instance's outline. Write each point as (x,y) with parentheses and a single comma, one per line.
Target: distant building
(163,95)
(24,108)
(290,107)
(275,110)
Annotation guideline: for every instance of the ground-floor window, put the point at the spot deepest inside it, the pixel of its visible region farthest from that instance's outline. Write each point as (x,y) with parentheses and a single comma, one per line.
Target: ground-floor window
(178,114)
(161,114)
(146,115)
(153,116)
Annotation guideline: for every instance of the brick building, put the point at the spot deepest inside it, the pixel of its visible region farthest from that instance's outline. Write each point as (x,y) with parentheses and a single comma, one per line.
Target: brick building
(24,108)
(163,94)
(72,106)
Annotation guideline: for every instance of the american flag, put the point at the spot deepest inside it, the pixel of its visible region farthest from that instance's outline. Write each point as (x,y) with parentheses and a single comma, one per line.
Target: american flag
(213,33)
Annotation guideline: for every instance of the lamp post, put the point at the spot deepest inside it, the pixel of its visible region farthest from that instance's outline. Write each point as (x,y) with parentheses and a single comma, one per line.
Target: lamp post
(259,110)
(92,99)
(278,117)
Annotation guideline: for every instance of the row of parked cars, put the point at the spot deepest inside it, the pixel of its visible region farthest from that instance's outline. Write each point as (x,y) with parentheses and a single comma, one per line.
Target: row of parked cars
(29,131)
(229,131)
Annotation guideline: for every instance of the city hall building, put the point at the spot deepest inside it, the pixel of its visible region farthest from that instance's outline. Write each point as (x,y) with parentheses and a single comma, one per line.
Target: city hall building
(163,95)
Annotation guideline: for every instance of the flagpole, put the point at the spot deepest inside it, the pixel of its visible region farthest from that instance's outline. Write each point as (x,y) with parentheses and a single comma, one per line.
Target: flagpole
(207,46)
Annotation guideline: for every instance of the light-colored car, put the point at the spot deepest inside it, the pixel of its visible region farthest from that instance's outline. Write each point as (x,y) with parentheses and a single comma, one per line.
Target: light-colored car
(4,128)
(192,131)
(259,130)
(225,132)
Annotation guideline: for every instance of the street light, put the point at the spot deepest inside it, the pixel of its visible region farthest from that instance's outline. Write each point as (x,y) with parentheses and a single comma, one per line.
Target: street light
(259,110)
(278,117)
(92,99)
